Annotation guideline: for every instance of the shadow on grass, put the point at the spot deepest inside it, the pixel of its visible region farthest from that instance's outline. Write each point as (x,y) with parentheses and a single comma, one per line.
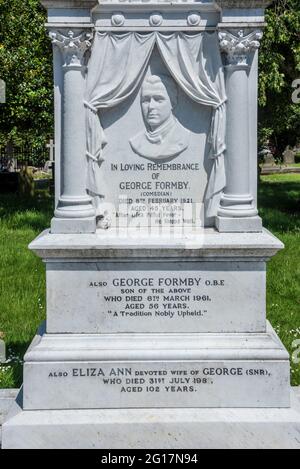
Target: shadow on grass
(279,204)
(20,212)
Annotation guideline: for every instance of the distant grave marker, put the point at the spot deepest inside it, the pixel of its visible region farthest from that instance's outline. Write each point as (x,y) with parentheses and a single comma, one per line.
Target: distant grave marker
(51,147)
(2,350)
(50,164)
(2,92)
(289,156)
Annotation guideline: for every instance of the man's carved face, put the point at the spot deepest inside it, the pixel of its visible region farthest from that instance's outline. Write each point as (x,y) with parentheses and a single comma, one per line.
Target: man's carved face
(156,104)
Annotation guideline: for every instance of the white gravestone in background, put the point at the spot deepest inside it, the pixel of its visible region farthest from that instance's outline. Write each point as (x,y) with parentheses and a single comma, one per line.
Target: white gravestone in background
(289,156)
(2,92)
(51,147)
(2,351)
(156,332)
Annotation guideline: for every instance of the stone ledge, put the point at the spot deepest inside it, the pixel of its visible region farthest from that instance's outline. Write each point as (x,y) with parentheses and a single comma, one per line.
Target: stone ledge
(7,398)
(207,243)
(154,429)
(147,346)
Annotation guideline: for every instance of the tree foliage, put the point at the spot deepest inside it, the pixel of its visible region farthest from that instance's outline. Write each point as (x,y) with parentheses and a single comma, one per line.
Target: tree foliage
(279,67)
(26,67)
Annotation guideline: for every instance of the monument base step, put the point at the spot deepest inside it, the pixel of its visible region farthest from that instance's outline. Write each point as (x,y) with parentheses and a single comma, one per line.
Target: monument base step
(154,428)
(84,371)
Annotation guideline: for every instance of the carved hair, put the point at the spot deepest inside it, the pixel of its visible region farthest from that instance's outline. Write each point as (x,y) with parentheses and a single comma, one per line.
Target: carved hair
(168,83)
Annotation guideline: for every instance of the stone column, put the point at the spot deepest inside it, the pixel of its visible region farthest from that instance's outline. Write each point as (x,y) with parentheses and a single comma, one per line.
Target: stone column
(74,212)
(58,75)
(237,211)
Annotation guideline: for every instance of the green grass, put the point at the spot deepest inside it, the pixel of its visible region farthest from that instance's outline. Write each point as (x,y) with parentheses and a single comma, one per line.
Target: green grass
(22,278)
(22,274)
(279,199)
(283,165)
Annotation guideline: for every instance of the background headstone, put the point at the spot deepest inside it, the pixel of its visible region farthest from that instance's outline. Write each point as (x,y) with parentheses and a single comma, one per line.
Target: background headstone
(26,181)
(2,92)
(49,163)
(289,156)
(267,157)
(2,349)
(12,165)
(11,161)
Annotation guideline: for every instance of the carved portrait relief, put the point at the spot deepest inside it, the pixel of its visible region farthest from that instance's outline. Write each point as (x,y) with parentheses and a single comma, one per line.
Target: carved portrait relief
(164,137)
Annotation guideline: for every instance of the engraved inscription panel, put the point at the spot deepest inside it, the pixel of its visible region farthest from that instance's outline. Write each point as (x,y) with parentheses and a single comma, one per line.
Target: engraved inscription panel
(156,297)
(156,384)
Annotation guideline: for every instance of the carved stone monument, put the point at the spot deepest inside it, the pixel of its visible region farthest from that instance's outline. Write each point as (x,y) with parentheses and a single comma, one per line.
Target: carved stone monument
(156,332)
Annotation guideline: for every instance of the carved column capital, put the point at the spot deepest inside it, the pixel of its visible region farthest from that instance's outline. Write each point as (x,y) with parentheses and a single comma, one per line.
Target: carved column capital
(73,45)
(236,47)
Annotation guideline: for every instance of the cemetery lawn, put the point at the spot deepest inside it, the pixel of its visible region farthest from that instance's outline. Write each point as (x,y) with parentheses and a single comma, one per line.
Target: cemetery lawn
(279,202)
(22,274)
(22,278)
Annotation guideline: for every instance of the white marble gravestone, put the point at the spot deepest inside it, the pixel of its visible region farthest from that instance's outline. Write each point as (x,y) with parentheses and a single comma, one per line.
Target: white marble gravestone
(2,351)
(156,332)
(2,92)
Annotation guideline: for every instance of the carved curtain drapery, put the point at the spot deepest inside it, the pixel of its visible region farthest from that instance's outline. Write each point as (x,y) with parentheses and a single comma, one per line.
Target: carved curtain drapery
(116,67)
